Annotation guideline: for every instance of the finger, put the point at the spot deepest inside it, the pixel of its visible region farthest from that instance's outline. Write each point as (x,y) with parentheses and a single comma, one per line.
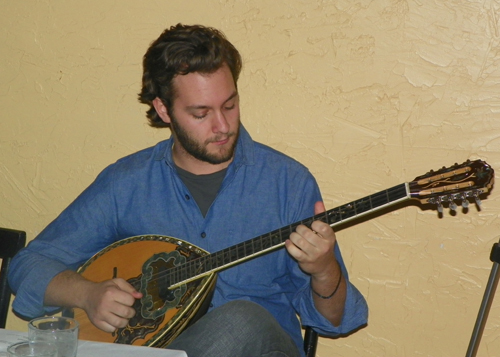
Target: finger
(322,229)
(116,321)
(127,293)
(123,311)
(125,285)
(304,237)
(308,236)
(108,321)
(294,251)
(297,240)
(106,327)
(302,230)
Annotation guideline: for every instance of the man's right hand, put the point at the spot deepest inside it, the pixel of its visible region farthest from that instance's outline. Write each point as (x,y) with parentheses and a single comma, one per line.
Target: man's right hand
(108,304)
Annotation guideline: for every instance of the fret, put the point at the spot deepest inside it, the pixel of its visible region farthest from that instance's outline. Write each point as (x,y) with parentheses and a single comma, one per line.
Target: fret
(333,216)
(275,238)
(307,222)
(183,271)
(193,268)
(249,248)
(227,256)
(290,229)
(266,241)
(199,267)
(212,261)
(257,243)
(323,217)
(380,199)
(347,211)
(208,262)
(397,193)
(363,205)
(196,267)
(219,259)
(240,251)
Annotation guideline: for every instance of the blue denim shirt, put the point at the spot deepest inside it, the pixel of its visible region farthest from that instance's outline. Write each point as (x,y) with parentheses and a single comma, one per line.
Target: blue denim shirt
(142,194)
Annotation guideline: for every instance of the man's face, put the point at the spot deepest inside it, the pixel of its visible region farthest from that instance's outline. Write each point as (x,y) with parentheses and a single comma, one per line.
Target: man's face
(205,116)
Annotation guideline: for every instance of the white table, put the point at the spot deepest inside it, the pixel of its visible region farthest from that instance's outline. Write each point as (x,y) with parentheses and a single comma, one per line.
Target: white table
(96,349)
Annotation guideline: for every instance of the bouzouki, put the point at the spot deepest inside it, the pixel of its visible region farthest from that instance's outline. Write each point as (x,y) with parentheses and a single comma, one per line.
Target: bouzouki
(177,279)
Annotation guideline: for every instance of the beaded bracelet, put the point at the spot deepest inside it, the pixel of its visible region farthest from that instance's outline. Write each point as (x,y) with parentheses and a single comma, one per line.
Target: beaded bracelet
(334,291)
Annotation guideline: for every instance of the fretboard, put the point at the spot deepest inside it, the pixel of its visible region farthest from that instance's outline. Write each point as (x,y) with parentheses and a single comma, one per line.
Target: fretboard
(271,241)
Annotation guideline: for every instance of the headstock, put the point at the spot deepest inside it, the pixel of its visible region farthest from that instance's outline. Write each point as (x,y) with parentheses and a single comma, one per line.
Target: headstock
(455,183)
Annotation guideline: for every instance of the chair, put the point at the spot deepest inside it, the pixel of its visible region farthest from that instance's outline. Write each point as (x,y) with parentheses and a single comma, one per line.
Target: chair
(310,342)
(11,241)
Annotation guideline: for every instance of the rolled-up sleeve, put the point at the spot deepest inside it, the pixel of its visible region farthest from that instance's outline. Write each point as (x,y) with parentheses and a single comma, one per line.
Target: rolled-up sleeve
(355,310)
(29,282)
(79,232)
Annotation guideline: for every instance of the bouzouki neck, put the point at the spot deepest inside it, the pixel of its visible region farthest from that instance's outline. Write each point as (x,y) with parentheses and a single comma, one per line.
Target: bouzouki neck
(445,186)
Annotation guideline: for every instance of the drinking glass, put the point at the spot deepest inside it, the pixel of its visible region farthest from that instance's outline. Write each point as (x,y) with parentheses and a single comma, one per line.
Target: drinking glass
(32,349)
(63,331)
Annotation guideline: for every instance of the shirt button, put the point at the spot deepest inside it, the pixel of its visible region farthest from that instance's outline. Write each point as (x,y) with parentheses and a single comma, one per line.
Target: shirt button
(203,235)
(187,197)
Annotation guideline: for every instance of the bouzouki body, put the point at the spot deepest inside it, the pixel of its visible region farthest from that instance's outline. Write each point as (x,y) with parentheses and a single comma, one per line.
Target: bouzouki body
(161,314)
(177,279)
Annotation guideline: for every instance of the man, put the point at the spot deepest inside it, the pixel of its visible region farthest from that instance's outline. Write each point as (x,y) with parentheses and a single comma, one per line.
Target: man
(211,185)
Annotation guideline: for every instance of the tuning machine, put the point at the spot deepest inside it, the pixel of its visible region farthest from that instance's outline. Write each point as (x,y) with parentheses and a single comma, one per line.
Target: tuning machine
(458,197)
(438,201)
(471,194)
(476,197)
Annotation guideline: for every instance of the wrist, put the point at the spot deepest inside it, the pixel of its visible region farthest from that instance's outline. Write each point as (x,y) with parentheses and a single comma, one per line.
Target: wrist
(329,274)
(334,291)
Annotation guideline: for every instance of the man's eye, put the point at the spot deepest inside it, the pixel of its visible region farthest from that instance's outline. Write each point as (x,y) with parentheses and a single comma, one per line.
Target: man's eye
(200,116)
(230,107)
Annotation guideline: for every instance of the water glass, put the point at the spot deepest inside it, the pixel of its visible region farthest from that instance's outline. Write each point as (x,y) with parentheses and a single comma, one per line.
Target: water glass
(32,349)
(63,331)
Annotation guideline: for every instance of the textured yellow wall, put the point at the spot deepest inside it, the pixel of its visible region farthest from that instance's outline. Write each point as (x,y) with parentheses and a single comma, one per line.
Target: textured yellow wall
(367,94)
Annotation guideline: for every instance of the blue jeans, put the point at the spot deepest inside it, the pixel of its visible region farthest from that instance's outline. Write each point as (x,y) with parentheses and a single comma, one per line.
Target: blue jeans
(236,329)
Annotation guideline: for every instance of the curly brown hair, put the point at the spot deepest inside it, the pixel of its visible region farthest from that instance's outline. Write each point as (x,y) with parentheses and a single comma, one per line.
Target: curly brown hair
(180,50)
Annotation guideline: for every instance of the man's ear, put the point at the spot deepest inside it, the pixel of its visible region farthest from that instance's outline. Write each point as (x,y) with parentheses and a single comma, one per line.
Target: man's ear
(161,109)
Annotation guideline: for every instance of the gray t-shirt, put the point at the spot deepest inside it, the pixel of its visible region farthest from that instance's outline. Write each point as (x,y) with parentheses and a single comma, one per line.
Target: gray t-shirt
(203,188)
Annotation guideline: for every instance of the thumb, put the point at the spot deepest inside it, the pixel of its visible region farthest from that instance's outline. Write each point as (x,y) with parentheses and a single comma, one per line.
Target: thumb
(319,207)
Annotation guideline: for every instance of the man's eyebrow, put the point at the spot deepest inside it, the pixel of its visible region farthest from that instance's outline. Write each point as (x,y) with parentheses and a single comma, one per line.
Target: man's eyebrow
(235,93)
(194,107)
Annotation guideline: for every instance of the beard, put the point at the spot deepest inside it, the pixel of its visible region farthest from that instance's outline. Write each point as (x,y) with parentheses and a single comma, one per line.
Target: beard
(199,150)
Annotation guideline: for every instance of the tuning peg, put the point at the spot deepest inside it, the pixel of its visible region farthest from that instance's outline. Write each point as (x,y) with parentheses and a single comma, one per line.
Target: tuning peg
(465,203)
(476,197)
(439,207)
(453,206)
